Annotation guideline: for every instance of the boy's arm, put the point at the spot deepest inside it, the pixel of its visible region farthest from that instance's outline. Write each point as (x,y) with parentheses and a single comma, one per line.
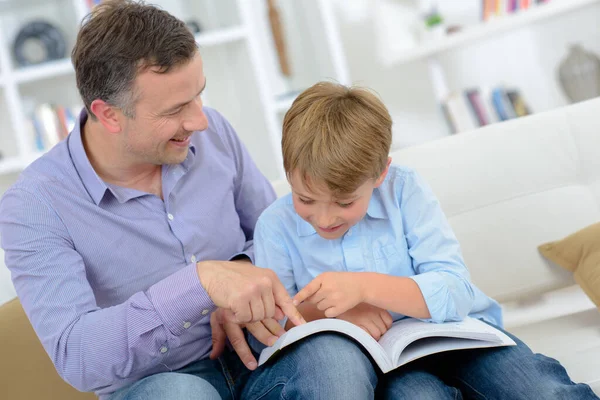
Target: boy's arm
(394,293)
(441,274)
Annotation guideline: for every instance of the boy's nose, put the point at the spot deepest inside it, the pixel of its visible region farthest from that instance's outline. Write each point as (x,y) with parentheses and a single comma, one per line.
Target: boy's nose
(326,221)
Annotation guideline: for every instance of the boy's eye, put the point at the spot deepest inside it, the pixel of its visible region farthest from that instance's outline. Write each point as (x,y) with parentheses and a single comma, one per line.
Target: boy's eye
(345,205)
(305,201)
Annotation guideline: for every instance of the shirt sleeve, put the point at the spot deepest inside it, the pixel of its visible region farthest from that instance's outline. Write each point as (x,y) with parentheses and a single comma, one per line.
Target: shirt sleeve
(273,254)
(252,191)
(91,347)
(441,273)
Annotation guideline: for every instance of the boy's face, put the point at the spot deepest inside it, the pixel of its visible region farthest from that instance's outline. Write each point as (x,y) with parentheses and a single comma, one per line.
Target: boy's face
(330,216)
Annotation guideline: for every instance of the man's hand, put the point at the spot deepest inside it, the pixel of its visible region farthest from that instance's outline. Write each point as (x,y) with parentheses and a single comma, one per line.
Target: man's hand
(333,292)
(266,331)
(374,320)
(251,293)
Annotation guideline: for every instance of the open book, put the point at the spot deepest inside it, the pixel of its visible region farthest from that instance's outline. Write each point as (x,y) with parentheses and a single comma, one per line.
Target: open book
(407,340)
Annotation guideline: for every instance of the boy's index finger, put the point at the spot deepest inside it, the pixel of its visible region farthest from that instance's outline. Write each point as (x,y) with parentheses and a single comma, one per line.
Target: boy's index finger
(307,291)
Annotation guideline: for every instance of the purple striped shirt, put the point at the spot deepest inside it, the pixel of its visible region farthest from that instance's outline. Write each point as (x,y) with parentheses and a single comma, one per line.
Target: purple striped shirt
(107,275)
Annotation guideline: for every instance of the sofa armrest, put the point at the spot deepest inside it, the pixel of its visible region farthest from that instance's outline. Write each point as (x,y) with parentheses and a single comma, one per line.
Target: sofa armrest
(26,371)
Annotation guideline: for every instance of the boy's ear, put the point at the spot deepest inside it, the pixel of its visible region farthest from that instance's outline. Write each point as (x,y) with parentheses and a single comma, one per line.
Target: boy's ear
(381,178)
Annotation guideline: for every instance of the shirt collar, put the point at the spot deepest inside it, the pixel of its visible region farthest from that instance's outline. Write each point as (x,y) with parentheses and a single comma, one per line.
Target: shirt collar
(303,228)
(375,210)
(376,207)
(92,182)
(94,185)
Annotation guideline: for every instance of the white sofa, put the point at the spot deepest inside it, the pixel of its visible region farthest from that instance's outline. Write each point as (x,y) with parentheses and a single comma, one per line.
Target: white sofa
(508,188)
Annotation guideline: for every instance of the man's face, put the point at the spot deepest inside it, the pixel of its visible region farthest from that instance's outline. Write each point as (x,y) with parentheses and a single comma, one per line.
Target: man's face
(330,216)
(167,111)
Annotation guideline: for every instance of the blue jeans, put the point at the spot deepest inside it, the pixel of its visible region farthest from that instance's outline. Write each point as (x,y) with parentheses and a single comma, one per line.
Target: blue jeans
(330,367)
(499,373)
(200,380)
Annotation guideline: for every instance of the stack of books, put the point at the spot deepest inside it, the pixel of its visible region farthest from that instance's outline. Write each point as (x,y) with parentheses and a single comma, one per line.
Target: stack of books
(474,108)
(497,8)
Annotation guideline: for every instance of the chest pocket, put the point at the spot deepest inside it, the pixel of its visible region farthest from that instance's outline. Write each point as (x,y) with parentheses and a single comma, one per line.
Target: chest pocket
(392,258)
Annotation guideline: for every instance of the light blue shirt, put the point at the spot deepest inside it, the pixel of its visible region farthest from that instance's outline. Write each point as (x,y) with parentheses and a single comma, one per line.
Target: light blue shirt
(404,233)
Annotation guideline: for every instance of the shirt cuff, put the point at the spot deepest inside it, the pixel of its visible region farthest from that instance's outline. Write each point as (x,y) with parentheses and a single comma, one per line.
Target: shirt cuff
(180,300)
(433,288)
(248,252)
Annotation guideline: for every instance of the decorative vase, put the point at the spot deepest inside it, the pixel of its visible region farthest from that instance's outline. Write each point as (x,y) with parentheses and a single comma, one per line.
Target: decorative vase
(579,74)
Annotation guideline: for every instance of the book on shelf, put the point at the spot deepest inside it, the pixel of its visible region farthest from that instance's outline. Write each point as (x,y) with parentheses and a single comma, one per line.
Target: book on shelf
(473,108)
(491,9)
(407,340)
(49,124)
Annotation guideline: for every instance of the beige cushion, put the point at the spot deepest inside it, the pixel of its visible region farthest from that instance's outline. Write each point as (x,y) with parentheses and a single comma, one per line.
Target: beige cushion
(580,254)
(26,371)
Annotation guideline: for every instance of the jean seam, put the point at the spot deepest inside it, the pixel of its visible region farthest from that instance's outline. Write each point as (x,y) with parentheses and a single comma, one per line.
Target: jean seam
(262,395)
(228,377)
(472,388)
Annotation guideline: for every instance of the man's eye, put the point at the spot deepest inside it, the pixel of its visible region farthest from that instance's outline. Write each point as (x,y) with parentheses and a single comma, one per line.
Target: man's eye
(172,113)
(345,205)
(305,201)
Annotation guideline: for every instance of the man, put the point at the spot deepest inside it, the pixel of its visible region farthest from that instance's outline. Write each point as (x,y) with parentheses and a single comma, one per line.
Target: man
(124,238)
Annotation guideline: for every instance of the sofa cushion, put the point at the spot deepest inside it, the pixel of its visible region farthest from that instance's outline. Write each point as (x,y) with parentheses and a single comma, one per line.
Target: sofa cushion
(26,371)
(580,254)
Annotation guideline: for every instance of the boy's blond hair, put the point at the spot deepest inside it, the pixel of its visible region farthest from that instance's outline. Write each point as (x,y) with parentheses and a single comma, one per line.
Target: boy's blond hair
(336,136)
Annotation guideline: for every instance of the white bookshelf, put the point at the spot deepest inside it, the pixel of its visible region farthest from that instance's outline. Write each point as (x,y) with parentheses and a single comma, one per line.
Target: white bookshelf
(239,62)
(221,36)
(504,24)
(47,70)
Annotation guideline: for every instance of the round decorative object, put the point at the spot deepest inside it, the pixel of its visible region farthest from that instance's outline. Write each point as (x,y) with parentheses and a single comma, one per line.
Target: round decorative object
(579,74)
(38,42)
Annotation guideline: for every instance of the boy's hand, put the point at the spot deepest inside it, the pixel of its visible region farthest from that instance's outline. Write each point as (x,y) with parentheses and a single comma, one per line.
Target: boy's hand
(374,320)
(333,292)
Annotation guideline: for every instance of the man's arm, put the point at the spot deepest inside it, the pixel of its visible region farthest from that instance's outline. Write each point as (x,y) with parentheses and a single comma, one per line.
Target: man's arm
(90,347)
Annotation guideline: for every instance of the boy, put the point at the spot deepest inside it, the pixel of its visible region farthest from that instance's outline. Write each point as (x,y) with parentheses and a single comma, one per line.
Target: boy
(362,239)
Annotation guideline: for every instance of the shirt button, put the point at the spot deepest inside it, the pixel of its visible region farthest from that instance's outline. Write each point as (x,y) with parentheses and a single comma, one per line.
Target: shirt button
(204,312)
(193,259)
(170,216)
(349,233)
(187,324)
(163,350)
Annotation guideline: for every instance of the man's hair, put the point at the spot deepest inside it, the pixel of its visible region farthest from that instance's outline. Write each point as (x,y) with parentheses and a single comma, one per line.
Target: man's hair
(337,136)
(121,38)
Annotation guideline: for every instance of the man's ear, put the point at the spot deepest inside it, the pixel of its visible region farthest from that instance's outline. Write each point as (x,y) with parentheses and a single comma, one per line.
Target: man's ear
(381,178)
(108,116)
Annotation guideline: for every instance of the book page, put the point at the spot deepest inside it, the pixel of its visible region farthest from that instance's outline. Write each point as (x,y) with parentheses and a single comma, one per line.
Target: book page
(433,345)
(408,330)
(335,325)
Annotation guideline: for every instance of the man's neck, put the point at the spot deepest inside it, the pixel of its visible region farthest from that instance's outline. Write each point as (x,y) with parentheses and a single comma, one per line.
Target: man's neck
(112,167)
